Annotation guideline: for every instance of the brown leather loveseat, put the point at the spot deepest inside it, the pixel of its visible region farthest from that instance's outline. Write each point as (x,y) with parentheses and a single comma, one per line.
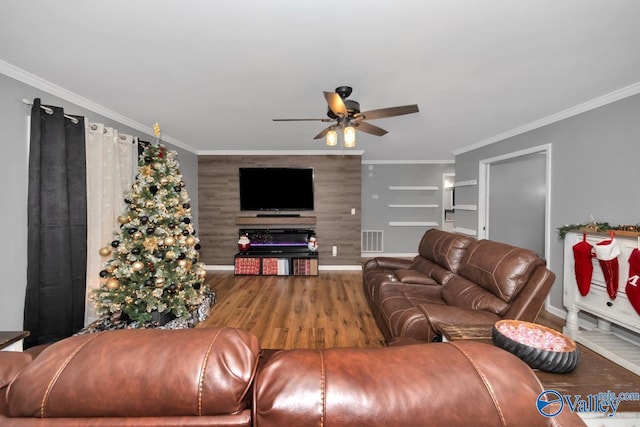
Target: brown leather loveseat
(215,377)
(456,280)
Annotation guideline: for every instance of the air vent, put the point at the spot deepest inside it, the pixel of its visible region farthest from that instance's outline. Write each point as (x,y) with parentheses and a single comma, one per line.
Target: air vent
(372,241)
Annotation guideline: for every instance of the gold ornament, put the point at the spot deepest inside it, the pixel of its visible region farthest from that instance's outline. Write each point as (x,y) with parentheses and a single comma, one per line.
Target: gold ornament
(150,244)
(157,165)
(160,282)
(170,255)
(137,235)
(122,219)
(149,204)
(164,180)
(190,241)
(112,284)
(137,266)
(146,170)
(169,240)
(182,263)
(156,130)
(202,273)
(105,251)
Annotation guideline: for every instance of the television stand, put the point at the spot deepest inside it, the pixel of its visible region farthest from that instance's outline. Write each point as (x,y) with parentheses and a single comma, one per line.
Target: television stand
(278,215)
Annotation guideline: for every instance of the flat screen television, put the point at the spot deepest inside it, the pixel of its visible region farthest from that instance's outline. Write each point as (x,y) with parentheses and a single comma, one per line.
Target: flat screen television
(276,189)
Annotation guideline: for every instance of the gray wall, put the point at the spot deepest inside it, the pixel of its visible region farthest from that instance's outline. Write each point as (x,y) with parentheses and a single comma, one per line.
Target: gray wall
(376,196)
(14,174)
(594,171)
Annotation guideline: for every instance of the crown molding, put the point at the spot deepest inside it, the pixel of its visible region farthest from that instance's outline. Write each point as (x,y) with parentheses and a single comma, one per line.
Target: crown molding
(280,152)
(408,162)
(62,93)
(609,98)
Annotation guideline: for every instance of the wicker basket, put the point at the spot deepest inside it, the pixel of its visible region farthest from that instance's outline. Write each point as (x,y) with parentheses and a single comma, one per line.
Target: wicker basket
(545,360)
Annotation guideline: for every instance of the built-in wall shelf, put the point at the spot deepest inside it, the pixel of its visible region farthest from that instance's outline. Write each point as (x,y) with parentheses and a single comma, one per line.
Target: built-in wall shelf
(467,231)
(275,220)
(466,183)
(413,224)
(413,206)
(413,188)
(466,207)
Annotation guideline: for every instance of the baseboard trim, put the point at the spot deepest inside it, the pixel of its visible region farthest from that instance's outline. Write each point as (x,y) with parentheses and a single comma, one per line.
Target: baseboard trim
(321,267)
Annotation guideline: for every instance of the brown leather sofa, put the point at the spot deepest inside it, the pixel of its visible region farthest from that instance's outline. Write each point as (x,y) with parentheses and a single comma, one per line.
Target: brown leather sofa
(454,280)
(215,377)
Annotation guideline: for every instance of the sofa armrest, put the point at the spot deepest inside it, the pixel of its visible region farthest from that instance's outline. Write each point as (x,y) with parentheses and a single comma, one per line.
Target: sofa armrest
(408,275)
(11,364)
(389,263)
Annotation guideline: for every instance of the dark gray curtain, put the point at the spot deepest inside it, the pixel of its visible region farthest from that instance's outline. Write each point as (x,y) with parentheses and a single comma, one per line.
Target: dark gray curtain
(57,227)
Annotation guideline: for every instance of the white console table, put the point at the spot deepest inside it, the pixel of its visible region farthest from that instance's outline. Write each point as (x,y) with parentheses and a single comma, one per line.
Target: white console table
(621,348)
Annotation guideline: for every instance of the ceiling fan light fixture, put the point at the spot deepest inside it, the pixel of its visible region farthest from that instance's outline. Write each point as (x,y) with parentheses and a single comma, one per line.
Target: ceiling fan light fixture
(332,138)
(349,137)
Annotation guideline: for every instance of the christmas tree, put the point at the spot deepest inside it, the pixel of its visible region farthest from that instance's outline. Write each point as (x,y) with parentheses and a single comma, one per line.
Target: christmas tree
(152,264)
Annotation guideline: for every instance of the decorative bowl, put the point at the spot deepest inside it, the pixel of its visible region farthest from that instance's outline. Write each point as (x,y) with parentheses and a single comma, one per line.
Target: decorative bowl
(538,346)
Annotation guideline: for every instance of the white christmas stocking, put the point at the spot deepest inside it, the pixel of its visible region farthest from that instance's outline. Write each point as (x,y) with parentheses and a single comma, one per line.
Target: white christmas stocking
(607,252)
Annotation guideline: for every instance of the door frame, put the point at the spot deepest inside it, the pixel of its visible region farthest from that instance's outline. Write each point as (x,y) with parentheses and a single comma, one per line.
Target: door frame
(484,171)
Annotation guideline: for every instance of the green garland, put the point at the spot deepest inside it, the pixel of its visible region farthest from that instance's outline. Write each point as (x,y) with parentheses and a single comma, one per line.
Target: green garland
(595,226)
(599,226)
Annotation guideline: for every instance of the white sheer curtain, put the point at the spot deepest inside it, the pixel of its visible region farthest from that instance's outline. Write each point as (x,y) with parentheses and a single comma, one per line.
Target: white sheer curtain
(111,168)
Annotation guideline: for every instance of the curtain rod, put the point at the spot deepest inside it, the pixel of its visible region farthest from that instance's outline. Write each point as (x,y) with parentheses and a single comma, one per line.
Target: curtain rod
(50,111)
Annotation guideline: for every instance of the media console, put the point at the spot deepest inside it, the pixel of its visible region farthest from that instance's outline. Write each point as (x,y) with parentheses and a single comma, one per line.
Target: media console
(277,251)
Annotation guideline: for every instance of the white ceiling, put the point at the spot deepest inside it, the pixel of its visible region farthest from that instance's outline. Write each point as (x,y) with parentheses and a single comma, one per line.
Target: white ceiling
(215,73)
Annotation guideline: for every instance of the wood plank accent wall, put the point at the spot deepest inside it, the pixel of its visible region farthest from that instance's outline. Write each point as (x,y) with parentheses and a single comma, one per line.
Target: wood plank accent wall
(337,189)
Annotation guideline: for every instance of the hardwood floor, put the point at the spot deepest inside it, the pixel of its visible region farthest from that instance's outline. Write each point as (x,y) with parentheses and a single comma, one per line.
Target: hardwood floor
(330,310)
(324,311)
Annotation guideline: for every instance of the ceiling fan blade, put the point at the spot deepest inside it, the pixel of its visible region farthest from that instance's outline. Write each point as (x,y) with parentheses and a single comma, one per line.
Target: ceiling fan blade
(302,120)
(369,128)
(387,112)
(323,133)
(336,104)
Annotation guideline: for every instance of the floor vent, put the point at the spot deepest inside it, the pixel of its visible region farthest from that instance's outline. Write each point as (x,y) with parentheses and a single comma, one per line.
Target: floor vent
(371,240)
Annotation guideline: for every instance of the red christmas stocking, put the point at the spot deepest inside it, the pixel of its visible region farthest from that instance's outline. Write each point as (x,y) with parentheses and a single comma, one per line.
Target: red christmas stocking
(607,252)
(633,283)
(582,254)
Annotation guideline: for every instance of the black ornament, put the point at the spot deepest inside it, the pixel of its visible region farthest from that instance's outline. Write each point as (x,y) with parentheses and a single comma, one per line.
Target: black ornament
(182,255)
(172,287)
(147,159)
(135,251)
(104,273)
(197,246)
(185,232)
(144,219)
(115,243)
(187,220)
(196,286)
(171,225)
(132,230)
(153,189)
(151,230)
(128,201)
(157,254)
(177,188)
(186,205)
(148,282)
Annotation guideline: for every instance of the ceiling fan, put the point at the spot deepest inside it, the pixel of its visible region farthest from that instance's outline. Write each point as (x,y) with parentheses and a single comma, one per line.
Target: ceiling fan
(347,116)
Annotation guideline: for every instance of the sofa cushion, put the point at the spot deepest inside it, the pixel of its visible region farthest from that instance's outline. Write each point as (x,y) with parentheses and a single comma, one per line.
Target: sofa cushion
(499,268)
(442,384)
(139,373)
(444,248)
(464,293)
(431,269)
